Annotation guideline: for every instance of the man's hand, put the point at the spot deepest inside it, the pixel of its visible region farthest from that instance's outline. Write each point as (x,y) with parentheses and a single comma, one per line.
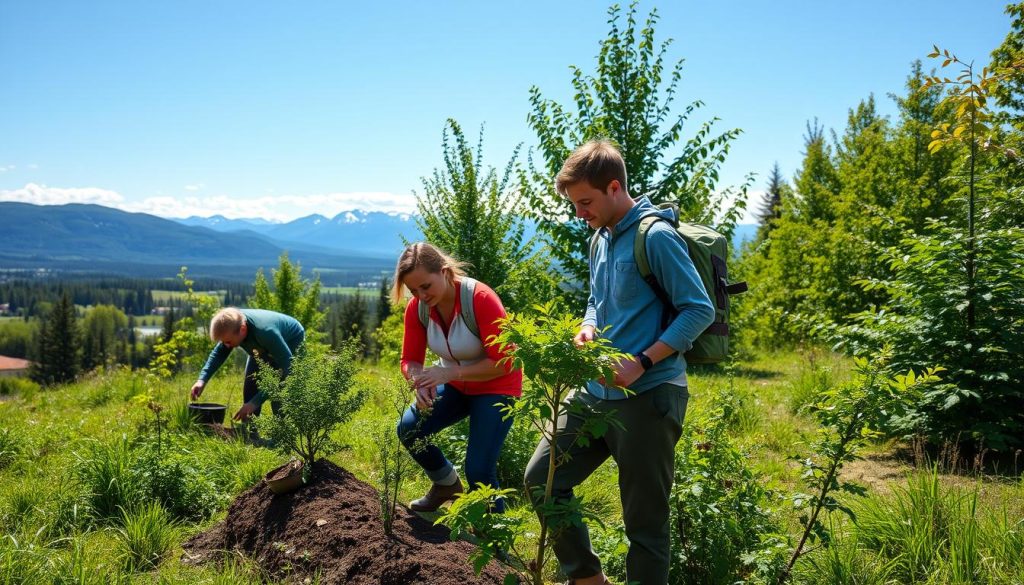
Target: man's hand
(586,335)
(627,371)
(245,412)
(197,389)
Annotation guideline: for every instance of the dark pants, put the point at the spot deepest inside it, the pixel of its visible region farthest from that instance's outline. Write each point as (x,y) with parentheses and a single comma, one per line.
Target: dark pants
(644,450)
(487,431)
(249,388)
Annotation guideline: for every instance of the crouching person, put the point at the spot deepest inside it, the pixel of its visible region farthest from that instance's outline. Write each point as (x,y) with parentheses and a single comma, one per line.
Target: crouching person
(452,314)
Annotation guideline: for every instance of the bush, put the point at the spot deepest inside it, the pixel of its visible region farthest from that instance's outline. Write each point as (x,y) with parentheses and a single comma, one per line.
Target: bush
(724,529)
(121,475)
(316,397)
(178,478)
(981,397)
(18,386)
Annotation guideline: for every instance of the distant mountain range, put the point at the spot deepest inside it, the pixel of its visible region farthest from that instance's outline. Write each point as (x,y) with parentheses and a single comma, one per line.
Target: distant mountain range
(350,247)
(372,232)
(93,238)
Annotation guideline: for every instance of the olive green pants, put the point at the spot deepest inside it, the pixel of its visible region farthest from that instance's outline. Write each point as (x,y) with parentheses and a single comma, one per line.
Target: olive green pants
(644,450)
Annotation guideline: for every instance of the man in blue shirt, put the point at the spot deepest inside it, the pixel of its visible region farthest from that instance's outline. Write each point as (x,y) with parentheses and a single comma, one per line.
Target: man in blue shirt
(594,179)
(273,337)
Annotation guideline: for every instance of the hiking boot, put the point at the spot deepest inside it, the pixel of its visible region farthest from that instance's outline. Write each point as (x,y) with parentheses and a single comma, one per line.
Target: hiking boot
(436,495)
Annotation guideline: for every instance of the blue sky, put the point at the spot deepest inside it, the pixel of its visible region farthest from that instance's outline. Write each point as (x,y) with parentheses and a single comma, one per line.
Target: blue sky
(282,109)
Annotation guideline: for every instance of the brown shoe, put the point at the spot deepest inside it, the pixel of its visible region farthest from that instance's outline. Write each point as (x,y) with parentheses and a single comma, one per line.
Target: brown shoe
(436,495)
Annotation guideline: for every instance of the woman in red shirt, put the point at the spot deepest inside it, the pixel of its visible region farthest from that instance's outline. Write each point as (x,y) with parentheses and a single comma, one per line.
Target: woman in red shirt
(452,314)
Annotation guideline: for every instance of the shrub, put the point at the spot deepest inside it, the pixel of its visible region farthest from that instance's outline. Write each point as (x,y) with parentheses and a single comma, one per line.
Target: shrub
(18,386)
(317,396)
(178,478)
(724,529)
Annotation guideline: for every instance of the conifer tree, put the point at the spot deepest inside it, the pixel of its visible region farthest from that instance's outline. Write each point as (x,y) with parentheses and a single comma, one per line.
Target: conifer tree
(59,353)
(475,215)
(816,182)
(771,203)
(383,301)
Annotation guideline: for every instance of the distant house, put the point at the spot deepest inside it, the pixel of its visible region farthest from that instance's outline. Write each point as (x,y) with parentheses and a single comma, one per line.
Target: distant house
(10,367)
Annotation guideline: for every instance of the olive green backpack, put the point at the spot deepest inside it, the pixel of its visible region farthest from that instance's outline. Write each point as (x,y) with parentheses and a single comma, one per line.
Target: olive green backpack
(708,250)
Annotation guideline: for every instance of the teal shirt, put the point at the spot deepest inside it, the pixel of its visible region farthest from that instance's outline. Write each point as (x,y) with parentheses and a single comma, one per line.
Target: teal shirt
(623,302)
(275,337)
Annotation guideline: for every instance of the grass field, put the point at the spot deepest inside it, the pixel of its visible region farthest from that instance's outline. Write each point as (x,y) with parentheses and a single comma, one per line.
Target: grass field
(348,290)
(66,461)
(163,296)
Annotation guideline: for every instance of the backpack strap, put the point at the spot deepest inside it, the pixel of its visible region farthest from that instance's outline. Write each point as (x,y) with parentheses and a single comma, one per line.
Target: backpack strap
(466,301)
(466,307)
(643,266)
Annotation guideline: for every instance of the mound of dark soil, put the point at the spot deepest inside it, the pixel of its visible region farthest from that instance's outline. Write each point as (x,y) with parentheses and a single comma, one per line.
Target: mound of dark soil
(332,528)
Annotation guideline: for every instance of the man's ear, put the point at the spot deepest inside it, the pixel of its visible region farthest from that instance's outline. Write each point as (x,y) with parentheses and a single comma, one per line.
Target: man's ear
(613,186)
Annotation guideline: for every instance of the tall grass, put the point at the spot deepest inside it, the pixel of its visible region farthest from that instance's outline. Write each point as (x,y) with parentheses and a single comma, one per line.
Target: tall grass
(925,532)
(106,472)
(147,534)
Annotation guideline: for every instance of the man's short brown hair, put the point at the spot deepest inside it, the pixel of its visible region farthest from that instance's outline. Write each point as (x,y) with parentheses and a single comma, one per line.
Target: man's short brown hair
(598,162)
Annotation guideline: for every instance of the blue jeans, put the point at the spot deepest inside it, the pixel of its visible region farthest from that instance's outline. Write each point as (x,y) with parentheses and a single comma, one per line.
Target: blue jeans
(487,431)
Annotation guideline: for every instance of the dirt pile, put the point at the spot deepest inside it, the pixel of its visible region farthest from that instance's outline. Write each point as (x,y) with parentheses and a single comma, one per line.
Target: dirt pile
(332,528)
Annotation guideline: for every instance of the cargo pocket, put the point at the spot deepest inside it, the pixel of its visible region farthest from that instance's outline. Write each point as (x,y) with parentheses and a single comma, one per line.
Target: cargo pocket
(669,402)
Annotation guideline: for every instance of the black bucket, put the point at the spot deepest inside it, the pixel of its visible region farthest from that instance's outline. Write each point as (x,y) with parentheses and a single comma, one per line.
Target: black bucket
(207,412)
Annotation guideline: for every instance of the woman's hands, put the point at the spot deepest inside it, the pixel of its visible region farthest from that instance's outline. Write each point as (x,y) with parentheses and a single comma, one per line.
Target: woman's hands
(426,381)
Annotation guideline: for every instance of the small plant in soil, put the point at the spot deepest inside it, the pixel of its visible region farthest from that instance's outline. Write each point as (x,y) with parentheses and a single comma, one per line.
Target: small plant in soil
(542,345)
(317,396)
(393,465)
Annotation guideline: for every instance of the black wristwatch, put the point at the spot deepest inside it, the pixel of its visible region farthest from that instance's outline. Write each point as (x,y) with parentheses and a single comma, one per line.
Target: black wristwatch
(644,360)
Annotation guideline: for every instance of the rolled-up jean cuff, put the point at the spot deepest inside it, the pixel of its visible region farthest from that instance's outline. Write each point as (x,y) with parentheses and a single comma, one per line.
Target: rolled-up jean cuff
(436,476)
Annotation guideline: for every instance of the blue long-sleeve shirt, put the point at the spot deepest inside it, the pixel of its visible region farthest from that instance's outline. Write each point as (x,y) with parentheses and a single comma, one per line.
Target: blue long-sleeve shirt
(275,337)
(619,297)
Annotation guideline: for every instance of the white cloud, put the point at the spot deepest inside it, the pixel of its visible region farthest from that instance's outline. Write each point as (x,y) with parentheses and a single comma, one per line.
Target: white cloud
(5,168)
(270,207)
(196,187)
(43,195)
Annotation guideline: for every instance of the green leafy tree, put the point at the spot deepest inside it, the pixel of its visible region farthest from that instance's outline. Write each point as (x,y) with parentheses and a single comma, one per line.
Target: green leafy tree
(474,214)
(104,335)
(319,394)
(956,287)
(291,295)
(1008,58)
(189,343)
(542,345)
(59,352)
(629,99)
(921,188)
(817,183)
